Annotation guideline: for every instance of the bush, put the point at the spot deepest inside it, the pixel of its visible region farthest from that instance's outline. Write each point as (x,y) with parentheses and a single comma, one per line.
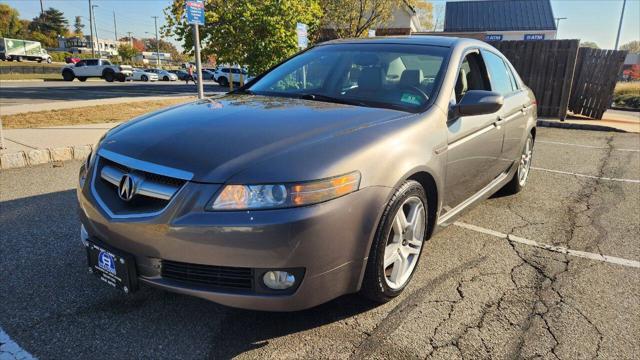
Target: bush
(59,56)
(627,100)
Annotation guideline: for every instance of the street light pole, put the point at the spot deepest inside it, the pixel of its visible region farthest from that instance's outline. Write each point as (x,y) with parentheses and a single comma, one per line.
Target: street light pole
(155,20)
(93,50)
(624,3)
(196,37)
(96,28)
(558,23)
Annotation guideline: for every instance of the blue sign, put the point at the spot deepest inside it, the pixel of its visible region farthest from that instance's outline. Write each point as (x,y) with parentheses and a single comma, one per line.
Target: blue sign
(493,37)
(195,11)
(534,36)
(107,262)
(301,31)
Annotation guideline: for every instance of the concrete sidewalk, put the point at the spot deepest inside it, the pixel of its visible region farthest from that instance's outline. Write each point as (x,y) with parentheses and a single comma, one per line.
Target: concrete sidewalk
(58,105)
(613,120)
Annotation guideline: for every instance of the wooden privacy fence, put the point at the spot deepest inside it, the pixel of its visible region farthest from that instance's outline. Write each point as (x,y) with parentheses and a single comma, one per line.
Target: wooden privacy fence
(547,67)
(595,80)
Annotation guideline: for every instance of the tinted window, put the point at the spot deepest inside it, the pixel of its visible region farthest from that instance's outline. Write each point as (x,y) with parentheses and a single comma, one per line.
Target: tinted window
(91,62)
(394,76)
(106,62)
(498,72)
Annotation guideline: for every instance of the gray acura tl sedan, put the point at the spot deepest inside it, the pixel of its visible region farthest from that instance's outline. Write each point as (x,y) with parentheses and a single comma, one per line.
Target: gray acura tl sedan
(321,177)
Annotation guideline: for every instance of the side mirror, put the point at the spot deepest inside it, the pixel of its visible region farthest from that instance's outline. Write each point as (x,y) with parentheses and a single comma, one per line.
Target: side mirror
(478,102)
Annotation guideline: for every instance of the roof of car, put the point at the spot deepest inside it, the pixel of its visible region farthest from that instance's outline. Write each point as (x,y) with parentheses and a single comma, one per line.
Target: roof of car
(445,41)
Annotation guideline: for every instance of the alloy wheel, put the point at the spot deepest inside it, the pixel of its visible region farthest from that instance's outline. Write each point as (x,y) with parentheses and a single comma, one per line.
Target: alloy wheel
(525,162)
(404,242)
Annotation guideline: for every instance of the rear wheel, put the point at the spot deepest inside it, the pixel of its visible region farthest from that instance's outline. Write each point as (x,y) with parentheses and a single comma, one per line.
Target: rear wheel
(223,81)
(396,248)
(166,78)
(83,79)
(67,75)
(19,58)
(519,180)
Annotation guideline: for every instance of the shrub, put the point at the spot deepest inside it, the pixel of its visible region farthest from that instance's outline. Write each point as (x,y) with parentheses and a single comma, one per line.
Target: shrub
(627,100)
(624,88)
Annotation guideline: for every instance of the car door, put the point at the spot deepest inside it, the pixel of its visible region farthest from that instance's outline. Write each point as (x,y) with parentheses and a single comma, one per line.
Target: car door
(512,116)
(80,68)
(474,142)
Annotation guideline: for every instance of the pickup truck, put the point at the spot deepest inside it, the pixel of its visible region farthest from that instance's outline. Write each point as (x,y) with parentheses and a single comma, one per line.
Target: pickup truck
(100,68)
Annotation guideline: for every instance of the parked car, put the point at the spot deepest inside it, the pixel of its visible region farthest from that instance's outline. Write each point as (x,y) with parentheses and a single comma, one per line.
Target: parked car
(181,74)
(222,76)
(143,75)
(18,50)
(324,177)
(72,60)
(208,75)
(163,75)
(96,68)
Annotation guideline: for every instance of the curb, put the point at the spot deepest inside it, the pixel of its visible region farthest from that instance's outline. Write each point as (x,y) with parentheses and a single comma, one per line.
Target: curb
(566,125)
(34,157)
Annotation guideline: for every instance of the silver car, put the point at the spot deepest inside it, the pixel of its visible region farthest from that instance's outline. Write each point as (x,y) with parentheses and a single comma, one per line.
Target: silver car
(322,177)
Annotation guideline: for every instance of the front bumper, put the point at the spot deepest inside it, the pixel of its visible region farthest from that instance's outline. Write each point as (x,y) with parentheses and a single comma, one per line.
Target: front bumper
(328,241)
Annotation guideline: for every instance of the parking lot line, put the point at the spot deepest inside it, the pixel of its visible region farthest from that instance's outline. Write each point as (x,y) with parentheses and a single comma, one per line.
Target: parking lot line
(9,349)
(558,249)
(587,176)
(585,146)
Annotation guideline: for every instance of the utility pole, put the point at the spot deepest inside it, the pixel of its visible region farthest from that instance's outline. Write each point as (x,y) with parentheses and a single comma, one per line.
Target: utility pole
(155,20)
(130,39)
(96,28)
(624,3)
(558,23)
(115,26)
(41,7)
(93,50)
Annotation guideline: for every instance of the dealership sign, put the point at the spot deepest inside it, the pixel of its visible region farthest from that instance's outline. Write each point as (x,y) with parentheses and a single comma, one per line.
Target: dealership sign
(195,12)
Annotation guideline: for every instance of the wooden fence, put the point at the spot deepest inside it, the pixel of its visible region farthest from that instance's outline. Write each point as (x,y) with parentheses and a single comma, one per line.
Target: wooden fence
(595,80)
(547,67)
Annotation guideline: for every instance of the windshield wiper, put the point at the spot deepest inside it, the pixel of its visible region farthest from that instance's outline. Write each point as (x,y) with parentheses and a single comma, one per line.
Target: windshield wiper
(326,98)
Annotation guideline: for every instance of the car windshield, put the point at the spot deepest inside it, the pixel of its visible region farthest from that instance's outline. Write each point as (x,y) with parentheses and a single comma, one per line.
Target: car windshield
(403,77)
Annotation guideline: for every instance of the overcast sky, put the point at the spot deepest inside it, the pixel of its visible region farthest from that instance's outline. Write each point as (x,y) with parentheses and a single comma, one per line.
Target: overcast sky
(588,20)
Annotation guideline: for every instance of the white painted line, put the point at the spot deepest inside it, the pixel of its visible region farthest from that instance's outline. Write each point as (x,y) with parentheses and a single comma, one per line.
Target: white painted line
(584,146)
(558,249)
(10,350)
(586,176)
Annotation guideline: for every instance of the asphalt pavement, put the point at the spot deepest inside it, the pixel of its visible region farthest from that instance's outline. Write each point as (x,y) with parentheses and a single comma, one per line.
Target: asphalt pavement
(517,277)
(17,93)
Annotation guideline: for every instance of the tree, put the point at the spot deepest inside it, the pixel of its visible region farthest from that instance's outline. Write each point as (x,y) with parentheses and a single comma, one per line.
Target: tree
(589,44)
(424,10)
(78,26)
(127,52)
(164,46)
(354,18)
(255,33)
(631,46)
(10,24)
(51,22)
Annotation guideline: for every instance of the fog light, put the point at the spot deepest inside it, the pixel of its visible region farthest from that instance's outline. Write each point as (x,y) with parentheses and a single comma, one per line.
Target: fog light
(278,280)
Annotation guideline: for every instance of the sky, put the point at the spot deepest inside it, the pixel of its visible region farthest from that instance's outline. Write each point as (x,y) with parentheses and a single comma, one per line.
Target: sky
(588,20)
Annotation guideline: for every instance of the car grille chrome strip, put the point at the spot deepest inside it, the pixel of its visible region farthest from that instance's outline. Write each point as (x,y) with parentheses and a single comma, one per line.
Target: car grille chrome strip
(145,165)
(146,187)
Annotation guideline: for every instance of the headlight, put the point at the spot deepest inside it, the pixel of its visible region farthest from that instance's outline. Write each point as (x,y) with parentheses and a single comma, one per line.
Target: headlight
(271,196)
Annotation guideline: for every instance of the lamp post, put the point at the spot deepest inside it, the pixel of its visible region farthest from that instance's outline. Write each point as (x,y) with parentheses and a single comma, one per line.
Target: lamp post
(624,3)
(93,13)
(558,23)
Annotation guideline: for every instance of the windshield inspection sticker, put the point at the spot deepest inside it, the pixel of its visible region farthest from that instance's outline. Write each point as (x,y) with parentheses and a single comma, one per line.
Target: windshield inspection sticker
(410,99)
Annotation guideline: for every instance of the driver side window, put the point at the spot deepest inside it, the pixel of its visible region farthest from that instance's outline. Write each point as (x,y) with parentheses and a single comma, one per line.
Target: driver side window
(472,75)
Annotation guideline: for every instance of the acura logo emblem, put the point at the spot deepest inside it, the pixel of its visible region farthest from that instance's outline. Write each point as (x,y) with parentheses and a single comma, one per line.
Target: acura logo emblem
(126,188)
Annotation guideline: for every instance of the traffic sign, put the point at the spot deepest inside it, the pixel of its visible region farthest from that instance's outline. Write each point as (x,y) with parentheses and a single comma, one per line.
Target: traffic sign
(195,12)
(301,31)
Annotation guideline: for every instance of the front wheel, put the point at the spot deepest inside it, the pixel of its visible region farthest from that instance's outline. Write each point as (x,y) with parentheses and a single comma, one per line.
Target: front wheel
(83,79)
(68,75)
(396,248)
(144,78)
(49,60)
(166,78)
(223,81)
(519,180)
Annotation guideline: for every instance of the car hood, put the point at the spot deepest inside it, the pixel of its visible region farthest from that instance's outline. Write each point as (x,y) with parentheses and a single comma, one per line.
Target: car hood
(216,138)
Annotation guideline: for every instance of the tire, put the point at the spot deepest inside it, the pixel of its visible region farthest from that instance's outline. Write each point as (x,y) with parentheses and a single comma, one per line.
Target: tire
(49,60)
(19,58)
(379,283)
(83,79)
(109,76)
(222,81)
(166,78)
(144,78)
(39,61)
(520,177)
(122,78)
(68,75)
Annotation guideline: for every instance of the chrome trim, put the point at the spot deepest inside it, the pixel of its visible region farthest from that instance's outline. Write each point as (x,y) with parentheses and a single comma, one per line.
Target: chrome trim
(473,135)
(144,186)
(108,211)
(145,165)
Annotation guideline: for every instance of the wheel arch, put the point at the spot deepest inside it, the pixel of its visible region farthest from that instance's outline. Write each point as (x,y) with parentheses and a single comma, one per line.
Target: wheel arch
(428,183)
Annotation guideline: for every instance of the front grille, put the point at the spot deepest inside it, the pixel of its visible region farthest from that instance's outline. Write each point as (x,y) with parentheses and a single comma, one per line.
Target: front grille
(216,277)
(106,188)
